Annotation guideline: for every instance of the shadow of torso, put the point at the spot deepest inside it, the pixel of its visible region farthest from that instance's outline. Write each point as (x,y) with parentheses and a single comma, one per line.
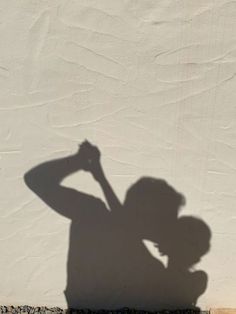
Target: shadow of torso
(108,265)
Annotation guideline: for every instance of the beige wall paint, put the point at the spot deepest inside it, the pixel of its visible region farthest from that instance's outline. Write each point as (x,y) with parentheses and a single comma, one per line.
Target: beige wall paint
(152,83)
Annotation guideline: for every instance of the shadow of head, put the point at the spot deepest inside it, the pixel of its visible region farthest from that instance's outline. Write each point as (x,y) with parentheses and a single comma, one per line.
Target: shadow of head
(189,241)
(153,206)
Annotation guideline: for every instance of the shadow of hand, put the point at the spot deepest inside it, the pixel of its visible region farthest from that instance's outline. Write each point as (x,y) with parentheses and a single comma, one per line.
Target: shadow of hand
(89,156)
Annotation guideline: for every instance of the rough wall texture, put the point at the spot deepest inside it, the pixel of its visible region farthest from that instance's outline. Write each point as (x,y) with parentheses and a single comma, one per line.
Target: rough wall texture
(152,83)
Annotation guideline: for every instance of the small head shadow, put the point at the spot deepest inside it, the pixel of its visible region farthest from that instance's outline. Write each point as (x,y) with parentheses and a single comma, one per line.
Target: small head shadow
(108,265)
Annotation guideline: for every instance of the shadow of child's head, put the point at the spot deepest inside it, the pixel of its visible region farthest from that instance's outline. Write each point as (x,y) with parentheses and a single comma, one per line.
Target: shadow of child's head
(188,242)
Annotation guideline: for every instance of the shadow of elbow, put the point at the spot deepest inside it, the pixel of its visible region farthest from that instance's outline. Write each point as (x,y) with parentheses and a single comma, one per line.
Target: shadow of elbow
(31,181)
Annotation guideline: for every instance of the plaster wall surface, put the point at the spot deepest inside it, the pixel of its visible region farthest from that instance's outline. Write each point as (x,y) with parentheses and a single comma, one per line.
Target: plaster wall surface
(152,84)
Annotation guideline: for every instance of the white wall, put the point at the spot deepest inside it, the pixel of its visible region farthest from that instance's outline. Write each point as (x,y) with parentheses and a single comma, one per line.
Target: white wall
(152,83)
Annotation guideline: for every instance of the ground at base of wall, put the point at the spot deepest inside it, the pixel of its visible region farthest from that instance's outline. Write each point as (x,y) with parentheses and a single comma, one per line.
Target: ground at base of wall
(223,311)
(44,310)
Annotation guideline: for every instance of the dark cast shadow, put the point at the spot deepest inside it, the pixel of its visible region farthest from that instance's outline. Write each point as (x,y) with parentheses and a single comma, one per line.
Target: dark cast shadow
(108,265)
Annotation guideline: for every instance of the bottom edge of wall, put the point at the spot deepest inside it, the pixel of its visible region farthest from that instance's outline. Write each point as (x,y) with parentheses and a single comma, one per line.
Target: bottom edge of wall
(223,311)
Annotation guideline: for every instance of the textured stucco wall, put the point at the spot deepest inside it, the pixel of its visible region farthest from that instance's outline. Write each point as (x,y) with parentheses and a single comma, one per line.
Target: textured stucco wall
(152,83)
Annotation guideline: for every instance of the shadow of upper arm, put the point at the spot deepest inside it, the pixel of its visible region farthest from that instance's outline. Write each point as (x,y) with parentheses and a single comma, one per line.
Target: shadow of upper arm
(69,202)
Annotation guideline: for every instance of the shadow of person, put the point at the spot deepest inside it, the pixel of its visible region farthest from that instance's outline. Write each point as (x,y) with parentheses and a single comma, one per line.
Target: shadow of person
(108,265)
(191,241)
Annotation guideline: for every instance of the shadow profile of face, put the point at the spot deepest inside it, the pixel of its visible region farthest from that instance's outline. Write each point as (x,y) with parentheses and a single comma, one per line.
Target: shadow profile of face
(153,206)
(190,240)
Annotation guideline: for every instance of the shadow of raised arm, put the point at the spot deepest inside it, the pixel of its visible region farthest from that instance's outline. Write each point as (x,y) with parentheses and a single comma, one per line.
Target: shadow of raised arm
(45,181)
(91,154)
